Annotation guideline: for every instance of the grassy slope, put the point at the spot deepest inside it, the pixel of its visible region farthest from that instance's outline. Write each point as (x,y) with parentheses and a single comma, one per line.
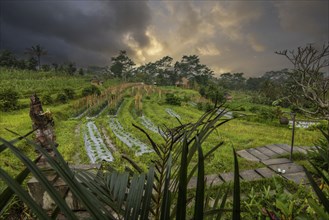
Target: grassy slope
(240,134)
(67,131)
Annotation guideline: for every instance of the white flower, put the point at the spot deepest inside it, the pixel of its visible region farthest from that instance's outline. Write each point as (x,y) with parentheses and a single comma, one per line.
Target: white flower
(283,171)
(279,170)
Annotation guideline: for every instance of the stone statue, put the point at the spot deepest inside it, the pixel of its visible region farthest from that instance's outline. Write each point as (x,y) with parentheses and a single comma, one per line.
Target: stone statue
(43,123)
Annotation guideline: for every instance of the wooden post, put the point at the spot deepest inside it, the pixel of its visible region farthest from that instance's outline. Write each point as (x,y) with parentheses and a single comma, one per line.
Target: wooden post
(293,117)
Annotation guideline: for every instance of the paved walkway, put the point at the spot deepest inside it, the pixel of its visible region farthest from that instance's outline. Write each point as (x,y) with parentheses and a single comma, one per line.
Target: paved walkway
(268,156)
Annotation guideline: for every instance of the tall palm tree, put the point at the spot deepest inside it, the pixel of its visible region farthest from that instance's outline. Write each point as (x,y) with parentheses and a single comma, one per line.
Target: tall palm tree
(36,51)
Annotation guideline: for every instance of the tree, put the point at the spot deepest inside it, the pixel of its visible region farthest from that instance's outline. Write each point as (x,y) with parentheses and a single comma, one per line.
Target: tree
(7,59)
(81,72)
(36,51)
(32,63)
(55,66)
(165,71)
(274,87)
(46,67)
(307,75)
(233,81)
(122,65)
(70,68)
(191,67)
(254,83)
(308,78)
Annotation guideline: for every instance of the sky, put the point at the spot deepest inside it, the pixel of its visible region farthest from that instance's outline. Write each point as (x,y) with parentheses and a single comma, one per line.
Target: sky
(228,36)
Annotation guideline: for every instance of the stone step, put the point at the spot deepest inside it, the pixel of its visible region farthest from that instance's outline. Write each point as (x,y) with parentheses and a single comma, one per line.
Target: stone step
(212,179)
(250,175)
(298,178)
(246,155)
(257,154)
(277,149)
(266,172)
(276,161)
(267,152)
(288,167)
(299,150)
(285,147)
(227,177)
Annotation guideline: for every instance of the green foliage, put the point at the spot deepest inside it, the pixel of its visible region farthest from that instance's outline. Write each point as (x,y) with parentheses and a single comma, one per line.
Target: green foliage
(278,203)
(36,52)
(273,86)
(70,68)
(213,92)
(69,92)
(190,66)
(91,90)
(32,63)
(322,211)
(172,99)
(62,98)
(204,106)
(233,81)
(108,189)
(95,110)
(7,59)
(114,110)
(47,99)
(8,100)
(45,68)
(320,155)
(81,72)
(266,113)
(28,82)
(122,65)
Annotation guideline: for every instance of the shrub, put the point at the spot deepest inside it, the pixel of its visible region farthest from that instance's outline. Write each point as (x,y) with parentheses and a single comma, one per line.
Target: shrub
(241,109)
(265,113)
(69,93)
(254,109)
(47,99)
(91,90)
(172,99)
(260,99)
(46,67)
(319,156)
(207,106)
(199,106)
(323,125)
(62,98)
(186,98)
(213,92)
(8,100)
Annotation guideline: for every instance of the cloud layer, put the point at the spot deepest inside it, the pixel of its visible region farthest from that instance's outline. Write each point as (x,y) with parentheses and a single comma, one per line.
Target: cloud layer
(228,36)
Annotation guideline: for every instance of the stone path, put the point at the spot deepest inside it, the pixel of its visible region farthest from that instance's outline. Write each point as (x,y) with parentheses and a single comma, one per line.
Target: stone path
(268,156)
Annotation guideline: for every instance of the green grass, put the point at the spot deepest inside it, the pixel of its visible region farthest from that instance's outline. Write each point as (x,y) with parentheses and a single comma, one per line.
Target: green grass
(238,133)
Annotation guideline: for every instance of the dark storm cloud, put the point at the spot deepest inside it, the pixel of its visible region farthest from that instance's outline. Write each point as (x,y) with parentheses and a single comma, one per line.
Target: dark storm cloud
(70,28)
(235,36)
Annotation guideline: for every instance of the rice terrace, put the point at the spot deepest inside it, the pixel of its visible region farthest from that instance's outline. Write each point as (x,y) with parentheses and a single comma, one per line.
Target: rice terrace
(145,127)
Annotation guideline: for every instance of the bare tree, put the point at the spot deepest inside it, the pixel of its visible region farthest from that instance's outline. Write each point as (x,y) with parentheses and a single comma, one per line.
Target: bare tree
(309,78)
